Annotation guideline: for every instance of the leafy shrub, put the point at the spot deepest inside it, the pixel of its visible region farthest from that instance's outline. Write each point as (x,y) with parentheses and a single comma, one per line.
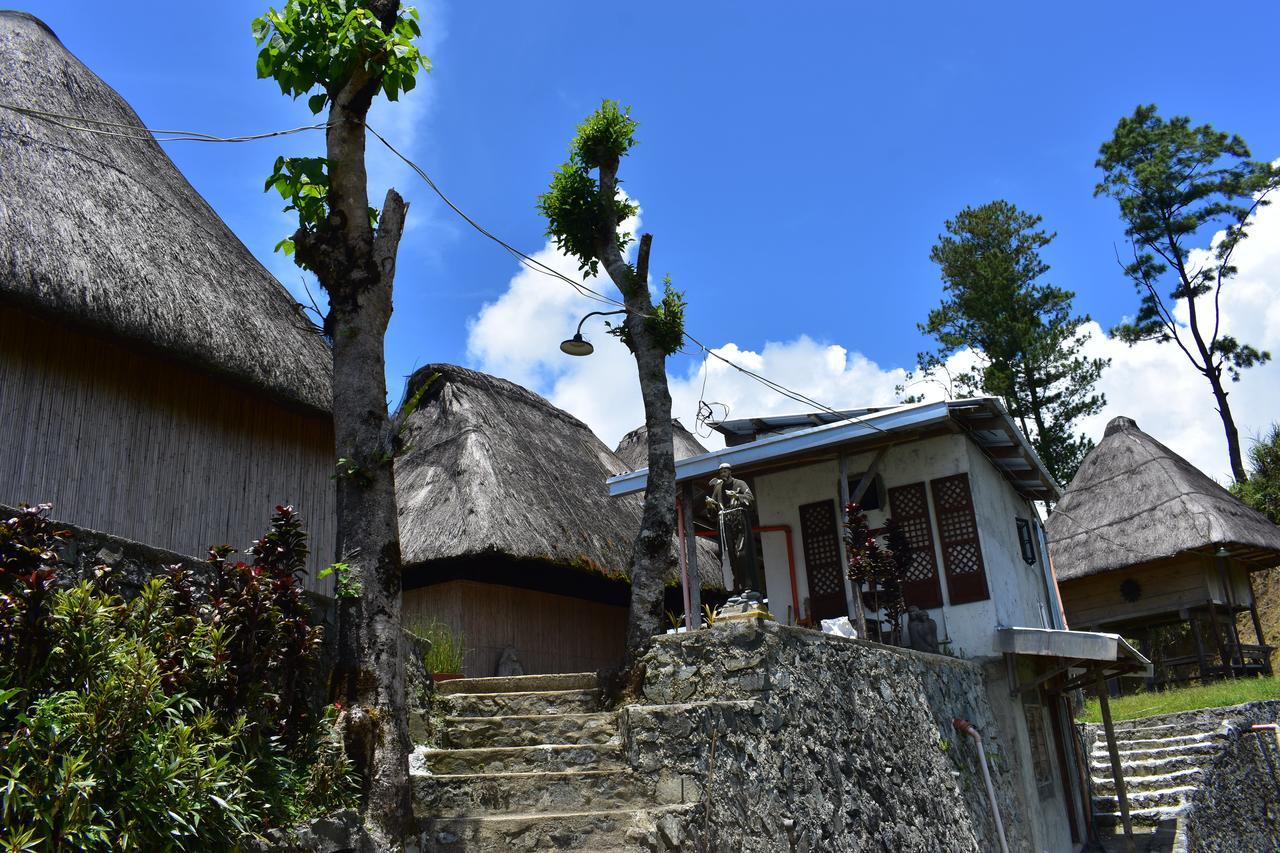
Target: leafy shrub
(175,720)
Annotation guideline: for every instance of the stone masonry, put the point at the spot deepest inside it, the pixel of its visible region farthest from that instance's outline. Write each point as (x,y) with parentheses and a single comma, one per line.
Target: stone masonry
(748,737)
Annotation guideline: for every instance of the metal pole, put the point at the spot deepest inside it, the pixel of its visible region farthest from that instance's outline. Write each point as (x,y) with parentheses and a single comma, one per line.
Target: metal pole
(1117,772)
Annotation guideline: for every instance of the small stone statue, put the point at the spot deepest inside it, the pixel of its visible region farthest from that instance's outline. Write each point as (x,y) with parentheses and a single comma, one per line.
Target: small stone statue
(922,631)
(509,664)
(730,501)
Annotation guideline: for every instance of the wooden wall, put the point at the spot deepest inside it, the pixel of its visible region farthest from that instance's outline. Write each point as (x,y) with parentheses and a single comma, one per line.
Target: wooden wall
(1095,601)
(138,446)
(550,633)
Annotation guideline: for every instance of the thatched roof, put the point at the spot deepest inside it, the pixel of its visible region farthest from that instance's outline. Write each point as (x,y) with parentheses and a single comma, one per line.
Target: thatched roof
(633,450)
(492,468)
(105,231)
(1135,501)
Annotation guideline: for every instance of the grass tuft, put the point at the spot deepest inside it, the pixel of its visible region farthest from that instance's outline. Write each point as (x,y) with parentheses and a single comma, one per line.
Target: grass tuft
(1219,694)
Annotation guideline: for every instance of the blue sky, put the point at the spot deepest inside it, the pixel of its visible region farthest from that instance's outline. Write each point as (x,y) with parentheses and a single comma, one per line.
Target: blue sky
(796,162)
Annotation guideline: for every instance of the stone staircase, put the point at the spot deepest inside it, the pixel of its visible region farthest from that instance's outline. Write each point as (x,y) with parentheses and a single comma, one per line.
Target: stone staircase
(1163,765)
(533,762)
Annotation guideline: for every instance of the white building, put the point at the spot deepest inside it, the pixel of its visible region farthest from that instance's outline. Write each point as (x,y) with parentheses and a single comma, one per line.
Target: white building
(958,477)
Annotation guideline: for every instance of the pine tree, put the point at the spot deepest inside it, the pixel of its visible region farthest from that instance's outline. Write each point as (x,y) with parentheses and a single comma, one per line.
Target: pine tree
(1173,182)
(1028,344)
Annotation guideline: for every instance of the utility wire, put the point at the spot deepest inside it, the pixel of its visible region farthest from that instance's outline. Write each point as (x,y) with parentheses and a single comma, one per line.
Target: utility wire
(147,134)
(103,128)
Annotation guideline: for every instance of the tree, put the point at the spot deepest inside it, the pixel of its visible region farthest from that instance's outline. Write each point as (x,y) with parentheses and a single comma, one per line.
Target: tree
(583,215)
(1021,329)
(1262,489)
(342,54)
(1171,180)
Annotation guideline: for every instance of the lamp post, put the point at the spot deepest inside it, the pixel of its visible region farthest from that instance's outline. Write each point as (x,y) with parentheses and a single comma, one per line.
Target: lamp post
(578,345)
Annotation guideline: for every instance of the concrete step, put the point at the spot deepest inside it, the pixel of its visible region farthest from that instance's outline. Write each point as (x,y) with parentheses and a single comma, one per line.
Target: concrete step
(613,830)
(1145,819)
(478,732)
(1100,747)
(1159,798)
(1153,766)
(529,793)
(1104,784)
(519,683)
(519,759)
(1148,753)
(521,704)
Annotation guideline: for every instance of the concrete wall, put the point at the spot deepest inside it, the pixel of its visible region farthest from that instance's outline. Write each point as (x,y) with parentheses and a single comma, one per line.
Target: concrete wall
(792,740)
(1019,595)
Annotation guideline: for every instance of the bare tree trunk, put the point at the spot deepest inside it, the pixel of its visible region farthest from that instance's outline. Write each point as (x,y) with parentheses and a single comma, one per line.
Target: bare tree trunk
(653,556)
(356,266)
(1229,427)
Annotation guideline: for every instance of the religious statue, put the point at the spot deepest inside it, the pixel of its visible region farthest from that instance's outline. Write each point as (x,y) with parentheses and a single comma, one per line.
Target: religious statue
(922,631)
(730,501)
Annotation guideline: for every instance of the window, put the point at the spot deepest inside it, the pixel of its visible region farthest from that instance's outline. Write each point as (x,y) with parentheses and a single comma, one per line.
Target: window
(873,497)
(909,506)
(1027,541)
(958,536)
(820,539)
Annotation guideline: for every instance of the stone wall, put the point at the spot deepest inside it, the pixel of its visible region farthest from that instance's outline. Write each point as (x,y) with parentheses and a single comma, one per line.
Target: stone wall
(807,742)
(1237,806)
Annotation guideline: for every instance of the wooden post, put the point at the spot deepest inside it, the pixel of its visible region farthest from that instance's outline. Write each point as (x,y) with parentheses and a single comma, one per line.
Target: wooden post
(1226,667)
(693,588)
(1195,632)
(853,593)
(1117,771)
(1257,625)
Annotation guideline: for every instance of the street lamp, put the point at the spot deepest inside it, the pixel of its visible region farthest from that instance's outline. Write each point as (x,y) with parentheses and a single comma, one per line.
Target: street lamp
(578,345)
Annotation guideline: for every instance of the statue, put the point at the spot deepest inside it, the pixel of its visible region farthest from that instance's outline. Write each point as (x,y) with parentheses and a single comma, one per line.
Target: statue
(509,663)
(730,501)
(922,631)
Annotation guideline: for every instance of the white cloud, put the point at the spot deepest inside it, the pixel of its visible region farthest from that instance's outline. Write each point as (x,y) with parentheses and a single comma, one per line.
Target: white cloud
(518,336)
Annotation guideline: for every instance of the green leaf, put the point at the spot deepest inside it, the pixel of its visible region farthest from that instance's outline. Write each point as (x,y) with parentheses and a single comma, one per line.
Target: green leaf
(317,102)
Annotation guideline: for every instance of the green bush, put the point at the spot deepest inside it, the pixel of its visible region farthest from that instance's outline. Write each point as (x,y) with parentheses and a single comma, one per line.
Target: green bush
(447,652)
(176,720)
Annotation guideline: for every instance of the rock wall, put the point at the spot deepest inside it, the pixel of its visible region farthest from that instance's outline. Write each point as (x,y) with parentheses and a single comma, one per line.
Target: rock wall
(1237,806)
(802,742)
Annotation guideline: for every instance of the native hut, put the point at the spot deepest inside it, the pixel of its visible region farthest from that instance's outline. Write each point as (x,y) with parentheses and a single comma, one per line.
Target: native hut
(508,533)
(633,450)
(1142,540)
(156,382)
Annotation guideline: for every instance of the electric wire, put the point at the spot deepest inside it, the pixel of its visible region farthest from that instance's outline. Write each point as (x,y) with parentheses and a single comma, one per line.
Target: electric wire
(149,134)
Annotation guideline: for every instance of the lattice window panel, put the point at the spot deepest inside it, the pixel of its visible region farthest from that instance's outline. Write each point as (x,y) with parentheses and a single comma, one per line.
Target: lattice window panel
(909,507)
(958,535)
(820,536)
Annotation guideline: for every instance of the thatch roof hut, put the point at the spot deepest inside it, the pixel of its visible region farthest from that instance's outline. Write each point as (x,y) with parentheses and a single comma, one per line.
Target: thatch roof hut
(160,385)
(1142,539)
(103,229)
(633,450)
(508,532)
(494,470)
(1135,501)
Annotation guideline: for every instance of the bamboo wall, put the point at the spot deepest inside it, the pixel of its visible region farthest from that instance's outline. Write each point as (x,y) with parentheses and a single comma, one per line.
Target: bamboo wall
(550,633)
(137,446)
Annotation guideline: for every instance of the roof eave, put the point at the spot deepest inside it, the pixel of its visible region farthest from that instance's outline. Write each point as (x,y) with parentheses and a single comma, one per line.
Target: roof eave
(789,444)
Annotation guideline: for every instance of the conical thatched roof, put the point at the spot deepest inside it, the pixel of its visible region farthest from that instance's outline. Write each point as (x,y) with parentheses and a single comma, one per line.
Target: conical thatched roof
(1134,501)
(633,450)
(103,230)
(492,468)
